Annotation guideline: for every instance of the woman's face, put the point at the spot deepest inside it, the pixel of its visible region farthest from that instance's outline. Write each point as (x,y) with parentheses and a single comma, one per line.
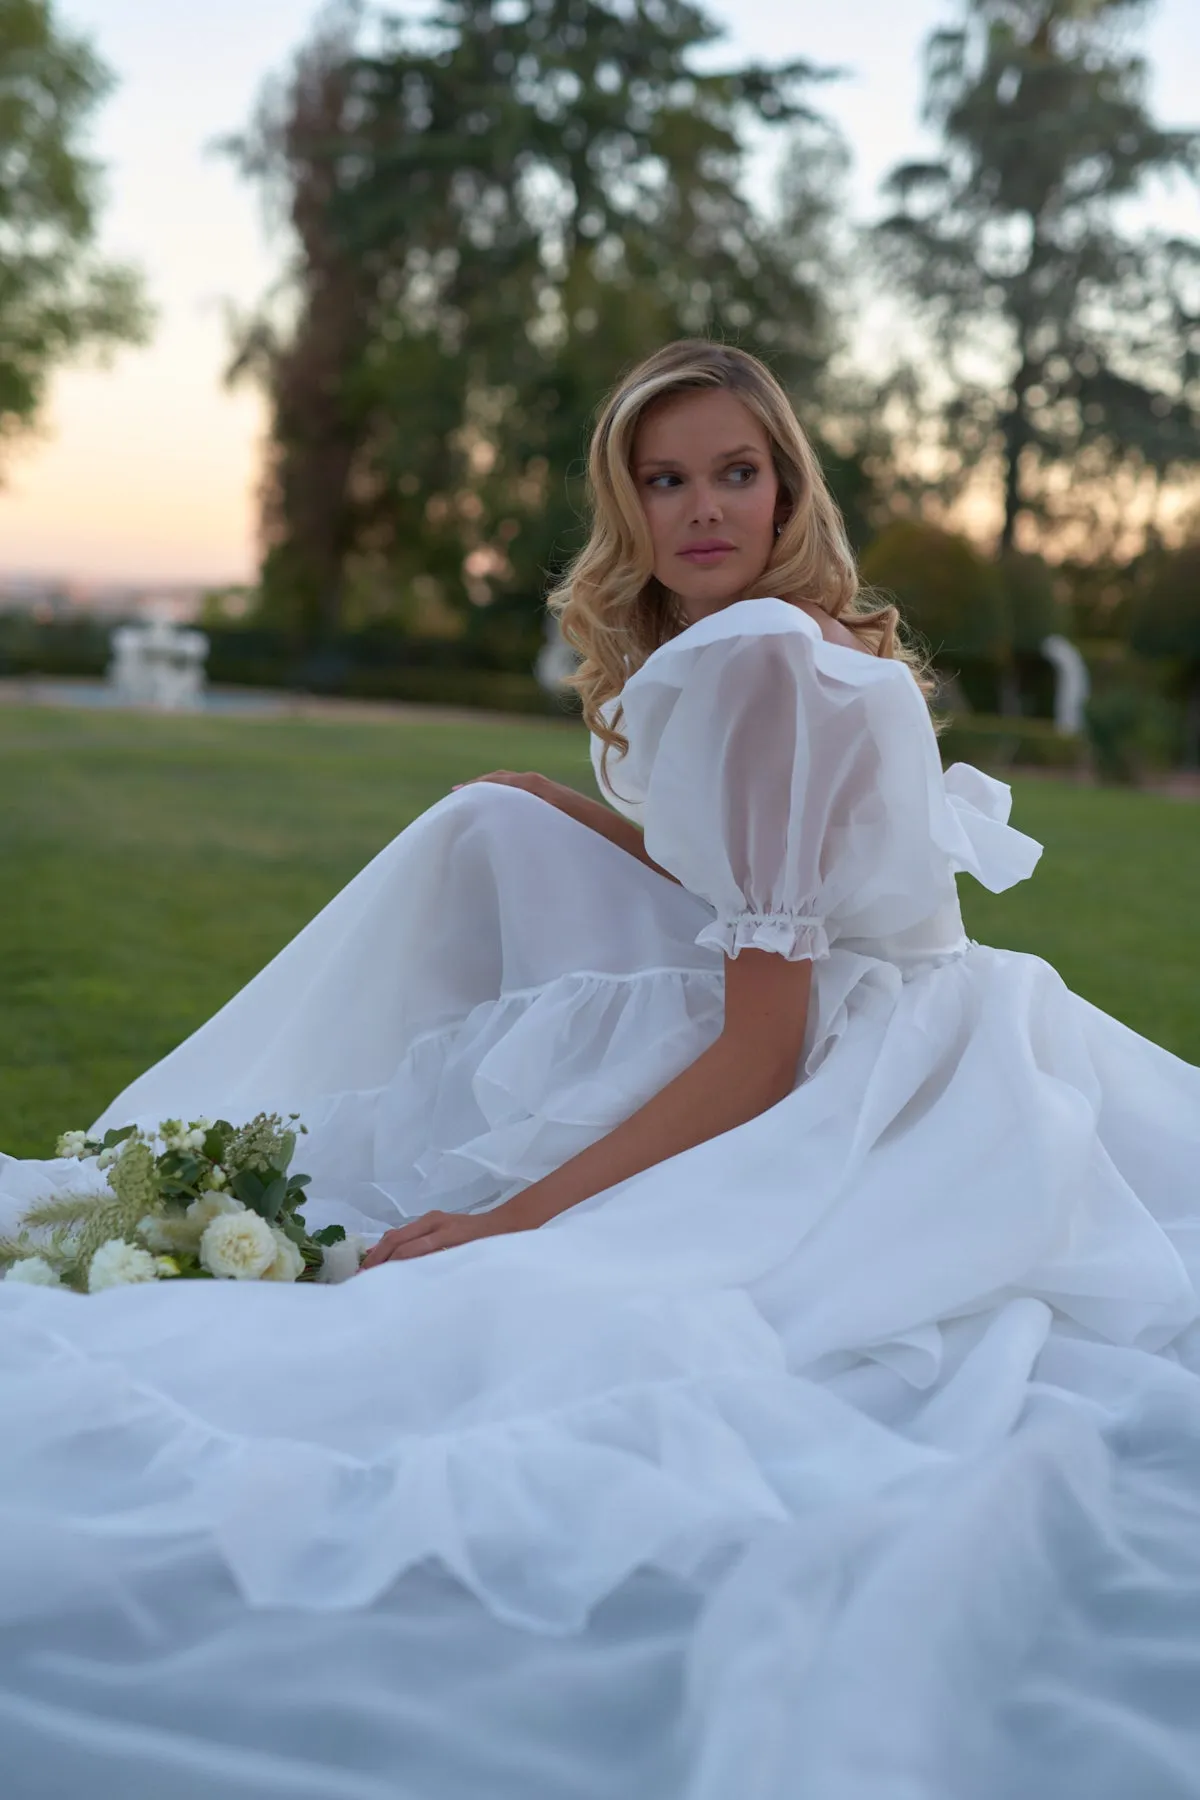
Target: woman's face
(702,466)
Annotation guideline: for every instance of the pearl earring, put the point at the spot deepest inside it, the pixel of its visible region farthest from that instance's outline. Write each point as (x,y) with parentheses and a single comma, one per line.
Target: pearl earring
(779,530)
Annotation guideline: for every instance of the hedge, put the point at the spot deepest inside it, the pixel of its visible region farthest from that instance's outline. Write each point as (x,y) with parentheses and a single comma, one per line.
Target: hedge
(990,739)
(491,690)
(371,665)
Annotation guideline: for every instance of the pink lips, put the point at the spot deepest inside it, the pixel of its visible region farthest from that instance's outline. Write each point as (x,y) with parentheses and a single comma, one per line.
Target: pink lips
(707,550)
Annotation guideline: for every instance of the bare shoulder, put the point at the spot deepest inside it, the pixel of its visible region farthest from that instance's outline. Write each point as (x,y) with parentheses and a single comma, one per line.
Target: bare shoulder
(832,630)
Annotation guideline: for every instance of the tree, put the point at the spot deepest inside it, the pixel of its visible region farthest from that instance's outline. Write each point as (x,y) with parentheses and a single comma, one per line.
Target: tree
(1069,345)
(1033,611)
(57,297)
(491,221)
(1166,623)
(296,148)
(948,594)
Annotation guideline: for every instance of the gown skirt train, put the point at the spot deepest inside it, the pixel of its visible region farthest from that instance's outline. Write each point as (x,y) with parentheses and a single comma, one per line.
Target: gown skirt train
(851,1455)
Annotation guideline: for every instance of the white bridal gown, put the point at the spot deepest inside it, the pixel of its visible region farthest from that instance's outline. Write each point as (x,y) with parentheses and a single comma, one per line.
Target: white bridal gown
(852,1455)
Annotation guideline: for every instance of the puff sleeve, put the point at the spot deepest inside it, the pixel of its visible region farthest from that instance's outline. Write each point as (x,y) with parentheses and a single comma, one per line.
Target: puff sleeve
(793,784)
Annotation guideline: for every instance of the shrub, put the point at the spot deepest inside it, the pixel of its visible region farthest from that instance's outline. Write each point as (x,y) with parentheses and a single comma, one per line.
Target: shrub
(1031,605)
(493,690)
(1131,731)
(949,594)
(999,742)
(30,646)
(1166,625)
(375,663)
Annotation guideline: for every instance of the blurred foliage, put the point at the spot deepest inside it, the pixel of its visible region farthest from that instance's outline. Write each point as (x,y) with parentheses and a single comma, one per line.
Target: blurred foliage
(492,217)
(1015,244)
(1131,731)
(1032,607)
(992,741)
(950,596)
(233,604)
(1165,624)
(57,295)
(31,646)
(1166,611)
(378,662)
(1097,597)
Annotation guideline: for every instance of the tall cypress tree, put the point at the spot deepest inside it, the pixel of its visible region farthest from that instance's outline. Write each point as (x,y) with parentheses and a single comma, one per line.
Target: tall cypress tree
(1069,343)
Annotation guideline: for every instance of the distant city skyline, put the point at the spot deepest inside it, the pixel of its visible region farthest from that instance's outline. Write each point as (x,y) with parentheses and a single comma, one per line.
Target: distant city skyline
(146,473)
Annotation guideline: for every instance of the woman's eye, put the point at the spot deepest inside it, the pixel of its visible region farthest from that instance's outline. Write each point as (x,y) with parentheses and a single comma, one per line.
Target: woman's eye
(656,479)
(746,471)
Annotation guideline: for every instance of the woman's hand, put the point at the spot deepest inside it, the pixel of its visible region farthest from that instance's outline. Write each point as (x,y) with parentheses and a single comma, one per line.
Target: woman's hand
(556,793)
(593,813)
(433,1231)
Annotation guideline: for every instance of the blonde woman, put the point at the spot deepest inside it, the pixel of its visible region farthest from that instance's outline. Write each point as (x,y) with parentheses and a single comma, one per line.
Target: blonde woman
(775,1371)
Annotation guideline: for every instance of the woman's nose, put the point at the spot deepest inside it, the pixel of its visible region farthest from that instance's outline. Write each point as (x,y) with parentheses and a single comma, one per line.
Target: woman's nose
(707,504)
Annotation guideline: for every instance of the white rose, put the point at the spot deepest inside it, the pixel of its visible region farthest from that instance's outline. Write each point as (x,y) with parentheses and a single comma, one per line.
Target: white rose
(238,1246)
(211,1205)
(340,1261)
(118,1264)
(289,1263)
(72,1143)
(35,1271)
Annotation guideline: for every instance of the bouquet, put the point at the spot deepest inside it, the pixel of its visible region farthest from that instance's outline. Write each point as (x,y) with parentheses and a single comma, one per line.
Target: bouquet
(201,1201)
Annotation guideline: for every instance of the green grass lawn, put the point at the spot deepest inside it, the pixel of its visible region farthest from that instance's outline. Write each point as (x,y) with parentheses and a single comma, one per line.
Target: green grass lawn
(151,865)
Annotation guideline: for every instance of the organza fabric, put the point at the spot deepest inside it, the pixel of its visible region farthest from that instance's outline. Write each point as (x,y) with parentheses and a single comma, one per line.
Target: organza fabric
(854,1453)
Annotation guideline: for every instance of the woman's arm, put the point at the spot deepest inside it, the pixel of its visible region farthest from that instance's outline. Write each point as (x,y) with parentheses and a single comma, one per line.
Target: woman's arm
(750,1067)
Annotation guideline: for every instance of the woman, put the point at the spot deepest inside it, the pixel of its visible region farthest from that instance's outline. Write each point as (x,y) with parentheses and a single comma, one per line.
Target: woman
(821,1414)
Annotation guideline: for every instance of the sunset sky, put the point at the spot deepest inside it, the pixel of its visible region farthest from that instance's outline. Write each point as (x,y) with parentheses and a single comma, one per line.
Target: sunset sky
(146,471)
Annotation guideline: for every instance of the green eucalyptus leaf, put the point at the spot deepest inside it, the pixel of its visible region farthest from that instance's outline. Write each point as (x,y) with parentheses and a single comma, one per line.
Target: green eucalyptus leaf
(273,1198)
(330,1234)
(117,1135)
(248,1187)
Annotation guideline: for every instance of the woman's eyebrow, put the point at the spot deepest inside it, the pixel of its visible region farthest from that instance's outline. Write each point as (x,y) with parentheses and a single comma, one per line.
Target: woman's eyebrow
(668,462)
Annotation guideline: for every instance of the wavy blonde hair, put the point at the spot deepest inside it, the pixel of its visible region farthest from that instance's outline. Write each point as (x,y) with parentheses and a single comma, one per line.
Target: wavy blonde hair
(612,609)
